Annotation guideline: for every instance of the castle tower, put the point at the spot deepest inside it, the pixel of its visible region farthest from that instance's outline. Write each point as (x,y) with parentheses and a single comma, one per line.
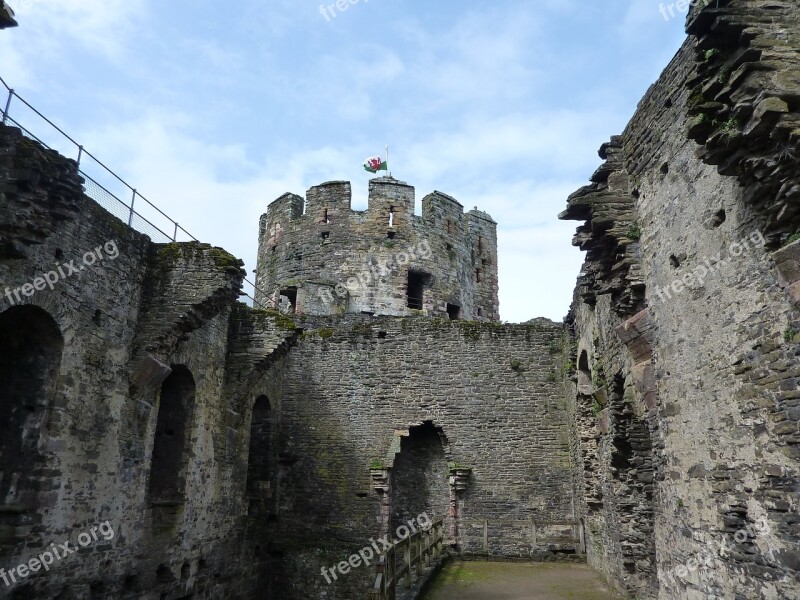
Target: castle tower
(330,259)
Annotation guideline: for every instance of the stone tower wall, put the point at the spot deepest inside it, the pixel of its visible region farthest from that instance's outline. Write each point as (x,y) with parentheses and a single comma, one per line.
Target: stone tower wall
(336,260)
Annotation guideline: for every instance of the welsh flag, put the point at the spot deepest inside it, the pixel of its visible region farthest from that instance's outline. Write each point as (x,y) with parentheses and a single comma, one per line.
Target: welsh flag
(375,164)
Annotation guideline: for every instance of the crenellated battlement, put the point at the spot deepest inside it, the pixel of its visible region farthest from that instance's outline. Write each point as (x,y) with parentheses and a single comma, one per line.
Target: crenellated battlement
(387,196)
(320,242)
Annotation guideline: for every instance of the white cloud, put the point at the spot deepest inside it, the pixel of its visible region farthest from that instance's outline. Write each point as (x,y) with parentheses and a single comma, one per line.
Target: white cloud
(49,27)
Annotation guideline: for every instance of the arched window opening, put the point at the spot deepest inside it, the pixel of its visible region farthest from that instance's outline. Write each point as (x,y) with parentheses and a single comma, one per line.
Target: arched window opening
(167,477)
(30,361)
(584,374)
(258,465)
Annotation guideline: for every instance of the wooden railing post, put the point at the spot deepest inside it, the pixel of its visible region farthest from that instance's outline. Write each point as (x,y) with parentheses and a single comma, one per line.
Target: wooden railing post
(486,536)
(418,551)
(391,570)
(407,559)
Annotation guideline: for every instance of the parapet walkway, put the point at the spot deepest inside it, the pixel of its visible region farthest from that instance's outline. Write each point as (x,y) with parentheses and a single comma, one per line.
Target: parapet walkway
(518,581)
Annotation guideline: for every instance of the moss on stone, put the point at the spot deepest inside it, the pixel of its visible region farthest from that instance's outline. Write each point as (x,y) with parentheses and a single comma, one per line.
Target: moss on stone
(634,232)
(325,333)
(791,239)
(262,316)
(26,149)
(224,259)
(170,252)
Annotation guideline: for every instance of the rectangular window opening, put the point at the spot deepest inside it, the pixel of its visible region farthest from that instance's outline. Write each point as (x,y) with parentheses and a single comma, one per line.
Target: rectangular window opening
(391,216)
(325,218)
(290,294)
(416,286)
(391,235)
(453,311)
(478,275)
(325,235)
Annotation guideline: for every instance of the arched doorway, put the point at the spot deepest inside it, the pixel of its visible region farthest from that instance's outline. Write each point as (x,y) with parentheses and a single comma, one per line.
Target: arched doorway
(584,374)
(420,477)
(30,360)
(31,346)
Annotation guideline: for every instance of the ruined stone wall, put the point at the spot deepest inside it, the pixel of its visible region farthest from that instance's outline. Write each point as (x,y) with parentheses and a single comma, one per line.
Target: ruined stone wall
(332,260)
(686,403)
(77,451)
(357,392)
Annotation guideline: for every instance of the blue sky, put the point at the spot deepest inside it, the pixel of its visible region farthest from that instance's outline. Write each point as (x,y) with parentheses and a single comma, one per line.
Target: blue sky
(213,109)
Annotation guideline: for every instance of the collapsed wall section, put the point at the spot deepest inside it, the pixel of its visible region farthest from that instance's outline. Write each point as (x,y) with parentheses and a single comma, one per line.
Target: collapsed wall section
(685,398)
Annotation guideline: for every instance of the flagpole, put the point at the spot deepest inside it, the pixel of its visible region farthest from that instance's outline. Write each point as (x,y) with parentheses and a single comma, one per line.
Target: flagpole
(387,160)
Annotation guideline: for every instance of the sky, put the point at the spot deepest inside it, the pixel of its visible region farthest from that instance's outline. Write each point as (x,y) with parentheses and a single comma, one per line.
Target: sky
(212,110)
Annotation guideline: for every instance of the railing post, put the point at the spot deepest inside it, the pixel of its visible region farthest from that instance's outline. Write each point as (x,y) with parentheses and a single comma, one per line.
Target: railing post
(419,557)
(407,559)
(133,201)
(8,104)
(80,155)
(175,233)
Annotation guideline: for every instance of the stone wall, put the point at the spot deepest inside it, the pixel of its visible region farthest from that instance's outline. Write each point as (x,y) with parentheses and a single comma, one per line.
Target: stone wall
(686,400)
(385,260)
(81,377)
(410,396)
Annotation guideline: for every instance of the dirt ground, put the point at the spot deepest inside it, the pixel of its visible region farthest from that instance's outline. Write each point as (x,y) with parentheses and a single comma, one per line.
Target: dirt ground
(518,581)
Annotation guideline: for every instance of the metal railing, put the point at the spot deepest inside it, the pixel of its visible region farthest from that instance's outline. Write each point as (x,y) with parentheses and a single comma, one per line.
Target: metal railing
(139,213)
(406,560)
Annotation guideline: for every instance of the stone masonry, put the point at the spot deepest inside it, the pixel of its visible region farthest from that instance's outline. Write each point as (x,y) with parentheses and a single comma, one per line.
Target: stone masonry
(685,321)
(187,445)
(330,259)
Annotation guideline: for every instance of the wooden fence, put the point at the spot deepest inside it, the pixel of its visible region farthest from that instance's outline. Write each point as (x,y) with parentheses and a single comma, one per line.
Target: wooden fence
(527,536)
